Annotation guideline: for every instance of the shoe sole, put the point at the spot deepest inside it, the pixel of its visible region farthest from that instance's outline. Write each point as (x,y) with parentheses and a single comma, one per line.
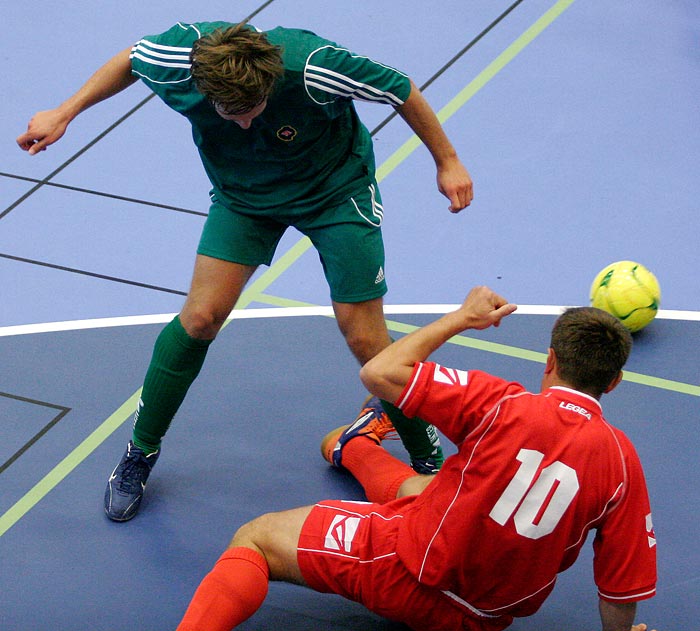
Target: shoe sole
(120,520)
(122,517)
(329,441)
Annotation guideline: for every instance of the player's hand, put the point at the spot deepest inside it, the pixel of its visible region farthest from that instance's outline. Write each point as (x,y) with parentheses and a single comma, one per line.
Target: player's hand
(455,183)
(44,129)
(639,627)
(483,308)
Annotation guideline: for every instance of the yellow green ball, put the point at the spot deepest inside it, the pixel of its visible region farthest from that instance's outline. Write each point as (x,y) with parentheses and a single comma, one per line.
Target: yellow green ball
(629,291)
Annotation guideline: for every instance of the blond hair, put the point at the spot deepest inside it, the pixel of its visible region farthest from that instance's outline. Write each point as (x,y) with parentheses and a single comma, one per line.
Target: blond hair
(235,67)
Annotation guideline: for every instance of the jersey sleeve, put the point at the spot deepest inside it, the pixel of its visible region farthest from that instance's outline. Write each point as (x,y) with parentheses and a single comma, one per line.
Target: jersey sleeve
(455,401)
(625,544)
(165,58)
(162,62)
(333,73)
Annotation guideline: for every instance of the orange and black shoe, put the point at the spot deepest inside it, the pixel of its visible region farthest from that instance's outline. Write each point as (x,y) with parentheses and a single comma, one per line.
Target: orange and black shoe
(372,422)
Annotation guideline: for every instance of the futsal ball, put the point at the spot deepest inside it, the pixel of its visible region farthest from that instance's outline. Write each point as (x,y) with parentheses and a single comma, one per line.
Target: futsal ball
(629,291)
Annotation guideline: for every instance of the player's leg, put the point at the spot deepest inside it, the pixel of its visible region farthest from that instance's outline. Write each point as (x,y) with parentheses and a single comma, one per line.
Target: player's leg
(230,249)
(357,448)
(262,550)
(178,356)
(180,349)
(364,328)
(349,549)
(349,242)
(415,485)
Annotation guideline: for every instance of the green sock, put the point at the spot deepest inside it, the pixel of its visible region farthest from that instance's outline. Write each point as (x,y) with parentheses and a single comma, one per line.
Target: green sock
(176,362)
(418,437)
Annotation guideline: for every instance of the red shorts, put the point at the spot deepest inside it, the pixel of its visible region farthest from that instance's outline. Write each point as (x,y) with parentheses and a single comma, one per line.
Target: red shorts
(349,548)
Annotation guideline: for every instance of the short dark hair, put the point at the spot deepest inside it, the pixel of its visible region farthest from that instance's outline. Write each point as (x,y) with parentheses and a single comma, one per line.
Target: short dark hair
(591,347)
(235,67)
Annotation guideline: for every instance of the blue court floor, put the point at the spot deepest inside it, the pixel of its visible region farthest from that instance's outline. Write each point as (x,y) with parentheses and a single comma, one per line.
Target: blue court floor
(578,123)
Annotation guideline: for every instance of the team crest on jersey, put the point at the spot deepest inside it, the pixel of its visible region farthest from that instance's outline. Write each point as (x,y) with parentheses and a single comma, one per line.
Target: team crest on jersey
(286,133)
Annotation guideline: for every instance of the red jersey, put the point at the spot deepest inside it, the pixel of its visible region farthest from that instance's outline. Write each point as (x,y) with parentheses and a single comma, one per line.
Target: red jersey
(533,475)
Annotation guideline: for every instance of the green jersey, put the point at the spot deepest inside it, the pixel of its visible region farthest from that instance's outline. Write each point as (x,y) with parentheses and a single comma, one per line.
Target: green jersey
(308,148)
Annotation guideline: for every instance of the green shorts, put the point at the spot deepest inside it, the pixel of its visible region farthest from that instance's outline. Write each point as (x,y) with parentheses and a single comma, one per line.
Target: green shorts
(348,239)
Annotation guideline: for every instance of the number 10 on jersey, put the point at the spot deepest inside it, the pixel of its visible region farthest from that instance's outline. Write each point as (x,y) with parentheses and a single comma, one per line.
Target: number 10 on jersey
(536,502)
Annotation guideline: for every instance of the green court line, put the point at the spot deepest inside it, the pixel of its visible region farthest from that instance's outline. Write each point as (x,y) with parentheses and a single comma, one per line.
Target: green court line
(276,270)
(522,353)
(403,152)
(664,384)
(504,349)
(254,291)
(70,462)
(479,82)
(480,345)
(288,303)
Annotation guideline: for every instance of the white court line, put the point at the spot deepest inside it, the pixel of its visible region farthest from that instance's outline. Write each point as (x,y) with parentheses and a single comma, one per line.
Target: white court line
(286,312)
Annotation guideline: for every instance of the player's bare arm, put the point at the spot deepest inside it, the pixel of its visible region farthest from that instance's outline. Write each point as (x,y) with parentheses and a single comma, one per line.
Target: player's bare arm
(387,373)
(48,126)
(452,177)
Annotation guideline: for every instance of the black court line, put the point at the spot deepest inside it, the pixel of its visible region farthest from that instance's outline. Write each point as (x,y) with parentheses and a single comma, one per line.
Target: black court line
(73,270)
(263,6)
(46,182)
(122,198)
(75,156)
(119,121)
(62,411)
(454,59)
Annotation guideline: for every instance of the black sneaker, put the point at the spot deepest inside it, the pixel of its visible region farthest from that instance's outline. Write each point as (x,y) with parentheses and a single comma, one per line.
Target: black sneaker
(428,466)
(433,463)
(127,483)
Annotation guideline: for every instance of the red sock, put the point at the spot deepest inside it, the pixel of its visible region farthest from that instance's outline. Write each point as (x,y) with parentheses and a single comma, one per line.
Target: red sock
(379,473)
(231,593)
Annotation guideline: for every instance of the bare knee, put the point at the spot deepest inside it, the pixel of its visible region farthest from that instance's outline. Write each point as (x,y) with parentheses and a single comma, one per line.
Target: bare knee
(364,328)
(365,344)
(215,289)
(201,322)
(414,485)
(275,537)
(251,535)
